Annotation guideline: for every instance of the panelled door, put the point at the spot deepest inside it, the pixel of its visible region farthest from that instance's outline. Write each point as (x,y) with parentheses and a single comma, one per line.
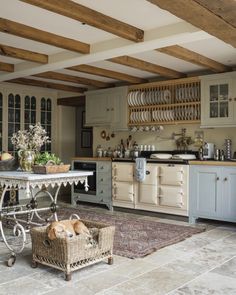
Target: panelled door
(147,190)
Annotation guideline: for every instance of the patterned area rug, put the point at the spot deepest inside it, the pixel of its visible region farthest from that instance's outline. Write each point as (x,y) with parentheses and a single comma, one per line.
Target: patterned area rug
(135,237)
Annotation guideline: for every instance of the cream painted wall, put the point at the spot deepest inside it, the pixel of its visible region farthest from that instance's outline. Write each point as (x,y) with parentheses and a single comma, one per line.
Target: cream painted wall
(66,136)
(163,141)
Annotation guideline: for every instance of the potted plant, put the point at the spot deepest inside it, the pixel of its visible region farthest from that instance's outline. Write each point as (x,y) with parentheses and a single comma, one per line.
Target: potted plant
(28,143)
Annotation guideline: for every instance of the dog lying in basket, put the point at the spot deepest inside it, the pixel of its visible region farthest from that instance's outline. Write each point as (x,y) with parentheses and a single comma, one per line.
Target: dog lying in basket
(69,245)
(71,228)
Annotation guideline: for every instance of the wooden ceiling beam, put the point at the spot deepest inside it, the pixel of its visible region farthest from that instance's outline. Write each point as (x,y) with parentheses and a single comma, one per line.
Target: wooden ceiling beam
(146,66)
(90,17)
(5,67)
(225,9)
(107,73)
(23,54)
(193,57)
(20,30)
(76,101)
(73,79)
(44,84)
(194,13)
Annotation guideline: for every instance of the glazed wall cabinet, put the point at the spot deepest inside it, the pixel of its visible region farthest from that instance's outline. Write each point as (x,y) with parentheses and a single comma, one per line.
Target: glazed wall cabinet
(212,193)
(21,107)
(107,107)
(218,100)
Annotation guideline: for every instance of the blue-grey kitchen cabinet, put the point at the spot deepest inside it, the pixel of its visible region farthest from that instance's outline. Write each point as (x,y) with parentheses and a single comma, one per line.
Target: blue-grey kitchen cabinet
(102,194)
(212,193)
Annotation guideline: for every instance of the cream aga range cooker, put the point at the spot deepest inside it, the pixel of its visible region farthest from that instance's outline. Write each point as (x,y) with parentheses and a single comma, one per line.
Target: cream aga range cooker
(165,188)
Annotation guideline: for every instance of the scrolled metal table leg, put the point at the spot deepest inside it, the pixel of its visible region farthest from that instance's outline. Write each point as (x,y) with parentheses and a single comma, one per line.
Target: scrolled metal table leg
(18,232)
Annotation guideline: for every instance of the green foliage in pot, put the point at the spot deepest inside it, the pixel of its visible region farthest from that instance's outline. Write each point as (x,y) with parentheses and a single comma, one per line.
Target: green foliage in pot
(46,158)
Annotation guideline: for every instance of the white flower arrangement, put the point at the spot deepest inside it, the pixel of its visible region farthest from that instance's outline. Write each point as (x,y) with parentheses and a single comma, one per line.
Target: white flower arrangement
(32,139)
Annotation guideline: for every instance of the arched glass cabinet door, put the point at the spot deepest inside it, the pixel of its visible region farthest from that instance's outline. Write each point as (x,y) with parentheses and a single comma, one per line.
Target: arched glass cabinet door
(29,111)
(46,120)
(14,117)
(1,103)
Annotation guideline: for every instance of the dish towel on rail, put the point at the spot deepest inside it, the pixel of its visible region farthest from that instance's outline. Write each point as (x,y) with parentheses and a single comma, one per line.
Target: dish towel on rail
(140,169)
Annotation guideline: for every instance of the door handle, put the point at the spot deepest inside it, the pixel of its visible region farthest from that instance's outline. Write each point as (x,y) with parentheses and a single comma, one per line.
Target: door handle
(225,179)
(148,172)
(217,178)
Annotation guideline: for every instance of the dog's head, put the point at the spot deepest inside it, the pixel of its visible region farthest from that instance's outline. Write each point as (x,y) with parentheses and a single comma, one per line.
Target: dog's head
(59,230)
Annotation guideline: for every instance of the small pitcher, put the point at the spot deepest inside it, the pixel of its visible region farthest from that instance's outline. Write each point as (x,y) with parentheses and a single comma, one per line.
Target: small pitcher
(26,159)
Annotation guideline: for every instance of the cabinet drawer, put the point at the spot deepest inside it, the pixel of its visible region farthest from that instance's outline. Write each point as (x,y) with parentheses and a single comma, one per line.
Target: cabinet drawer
(171,175)
(104,179)
(103,167)
(103,191)
(171,196)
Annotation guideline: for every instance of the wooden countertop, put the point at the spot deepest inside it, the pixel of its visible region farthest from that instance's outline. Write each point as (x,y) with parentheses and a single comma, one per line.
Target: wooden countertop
(213,163)
(91,158)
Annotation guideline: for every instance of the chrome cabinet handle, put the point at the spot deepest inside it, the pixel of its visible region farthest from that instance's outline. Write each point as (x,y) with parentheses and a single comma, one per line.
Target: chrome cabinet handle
(217,178)
(225,179)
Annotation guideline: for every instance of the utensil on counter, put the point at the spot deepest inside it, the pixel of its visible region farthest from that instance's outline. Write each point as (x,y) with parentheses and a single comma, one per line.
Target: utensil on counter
(103,134)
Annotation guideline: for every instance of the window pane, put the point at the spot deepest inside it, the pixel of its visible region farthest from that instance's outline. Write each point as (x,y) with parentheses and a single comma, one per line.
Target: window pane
(11,100)
(43,104)
(27,102)
(17,101)
(214,93)
(33,103)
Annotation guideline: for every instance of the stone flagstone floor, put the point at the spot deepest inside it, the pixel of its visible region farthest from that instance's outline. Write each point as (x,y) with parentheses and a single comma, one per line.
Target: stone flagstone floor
(201,265)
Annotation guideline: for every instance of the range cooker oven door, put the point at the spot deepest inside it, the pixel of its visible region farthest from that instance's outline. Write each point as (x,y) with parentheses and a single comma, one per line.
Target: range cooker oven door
(86,166)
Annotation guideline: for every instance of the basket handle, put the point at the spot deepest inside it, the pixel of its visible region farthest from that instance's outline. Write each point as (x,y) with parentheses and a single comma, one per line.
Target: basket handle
(74,216)
(47,243)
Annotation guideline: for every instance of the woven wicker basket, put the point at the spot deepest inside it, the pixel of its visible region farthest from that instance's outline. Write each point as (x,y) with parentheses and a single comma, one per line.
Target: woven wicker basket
(46,169)
(70,254)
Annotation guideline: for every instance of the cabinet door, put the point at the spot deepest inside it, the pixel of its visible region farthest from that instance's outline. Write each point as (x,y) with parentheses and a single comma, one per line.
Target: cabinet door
(173,175)
(118,108)
(147,194)
(171,196)
(97,110)
(217,102)
(151,177)
(123,191)
(229,194)
(123,172)
(205,192)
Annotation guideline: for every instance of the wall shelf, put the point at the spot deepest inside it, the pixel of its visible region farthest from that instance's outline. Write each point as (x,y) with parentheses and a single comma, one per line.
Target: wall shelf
(168,102)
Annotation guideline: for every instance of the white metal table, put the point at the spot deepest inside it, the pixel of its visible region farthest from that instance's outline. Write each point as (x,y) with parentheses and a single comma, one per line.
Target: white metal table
(20,218)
